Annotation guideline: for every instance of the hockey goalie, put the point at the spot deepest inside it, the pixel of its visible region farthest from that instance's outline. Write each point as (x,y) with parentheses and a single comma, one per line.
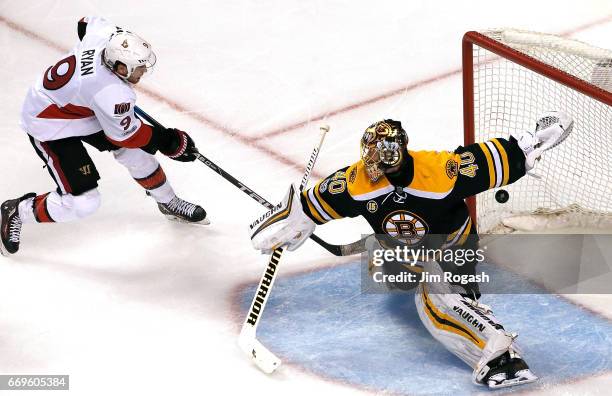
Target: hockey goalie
(406,195)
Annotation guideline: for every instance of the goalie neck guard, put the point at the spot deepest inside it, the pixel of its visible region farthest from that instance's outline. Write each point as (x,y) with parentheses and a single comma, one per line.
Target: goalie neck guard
(383,146)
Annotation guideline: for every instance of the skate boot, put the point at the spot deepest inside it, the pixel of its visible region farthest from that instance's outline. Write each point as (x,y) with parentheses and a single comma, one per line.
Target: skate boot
(183,211)
(10,230)
(508,370)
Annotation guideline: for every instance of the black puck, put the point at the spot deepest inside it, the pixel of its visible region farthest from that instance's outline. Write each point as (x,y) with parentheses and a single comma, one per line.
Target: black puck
(502,196)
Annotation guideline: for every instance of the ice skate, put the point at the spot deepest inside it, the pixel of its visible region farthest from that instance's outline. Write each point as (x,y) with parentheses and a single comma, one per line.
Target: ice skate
(182,211)
(11,225)
(506,370)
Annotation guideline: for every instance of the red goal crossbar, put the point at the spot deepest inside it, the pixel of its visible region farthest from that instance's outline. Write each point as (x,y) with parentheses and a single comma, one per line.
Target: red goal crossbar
(474,38)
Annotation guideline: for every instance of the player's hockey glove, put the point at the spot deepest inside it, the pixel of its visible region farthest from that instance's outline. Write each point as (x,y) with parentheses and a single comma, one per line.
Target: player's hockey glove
(284,225)
(551,129)
(181,147)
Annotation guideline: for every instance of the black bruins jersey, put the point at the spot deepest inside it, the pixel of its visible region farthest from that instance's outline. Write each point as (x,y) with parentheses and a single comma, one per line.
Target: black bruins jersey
(432,202)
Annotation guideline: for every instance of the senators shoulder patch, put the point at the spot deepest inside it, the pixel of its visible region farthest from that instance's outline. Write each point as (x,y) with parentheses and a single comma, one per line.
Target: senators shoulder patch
(451,168)
(122,108)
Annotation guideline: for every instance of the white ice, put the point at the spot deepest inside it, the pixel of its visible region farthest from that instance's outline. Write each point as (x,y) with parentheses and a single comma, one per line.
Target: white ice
(129,304)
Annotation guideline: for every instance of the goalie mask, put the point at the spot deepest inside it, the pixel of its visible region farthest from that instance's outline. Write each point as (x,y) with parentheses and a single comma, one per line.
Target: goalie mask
(383,146)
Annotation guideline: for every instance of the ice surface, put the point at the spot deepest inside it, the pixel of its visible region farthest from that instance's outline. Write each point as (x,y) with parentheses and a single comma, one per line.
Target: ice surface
(127,303)
(324,321)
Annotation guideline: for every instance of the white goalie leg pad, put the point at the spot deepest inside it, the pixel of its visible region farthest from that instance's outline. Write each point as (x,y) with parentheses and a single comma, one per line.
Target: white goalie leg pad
(284,225)
(464,326)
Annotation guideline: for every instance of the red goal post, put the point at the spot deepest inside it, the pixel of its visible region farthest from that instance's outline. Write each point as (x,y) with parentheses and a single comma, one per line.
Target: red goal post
(502,61)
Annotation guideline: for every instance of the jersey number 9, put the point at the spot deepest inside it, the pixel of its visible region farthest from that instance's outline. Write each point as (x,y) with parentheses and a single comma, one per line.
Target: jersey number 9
(57,76)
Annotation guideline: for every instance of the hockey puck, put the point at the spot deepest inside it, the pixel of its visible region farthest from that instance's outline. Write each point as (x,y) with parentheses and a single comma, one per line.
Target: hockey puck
(502,196)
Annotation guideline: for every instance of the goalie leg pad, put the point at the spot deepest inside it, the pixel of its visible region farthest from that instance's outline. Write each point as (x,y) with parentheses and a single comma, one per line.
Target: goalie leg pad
(464,326)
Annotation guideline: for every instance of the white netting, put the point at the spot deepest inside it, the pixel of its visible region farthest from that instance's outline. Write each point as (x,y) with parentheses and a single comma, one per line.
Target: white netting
(575,177)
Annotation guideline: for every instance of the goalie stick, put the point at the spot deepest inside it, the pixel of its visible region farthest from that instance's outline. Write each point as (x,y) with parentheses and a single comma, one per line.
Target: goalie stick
(263,358)
(337,250)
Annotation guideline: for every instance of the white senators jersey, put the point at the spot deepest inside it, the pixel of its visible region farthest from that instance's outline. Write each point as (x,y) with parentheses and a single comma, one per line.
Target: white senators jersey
(79,96)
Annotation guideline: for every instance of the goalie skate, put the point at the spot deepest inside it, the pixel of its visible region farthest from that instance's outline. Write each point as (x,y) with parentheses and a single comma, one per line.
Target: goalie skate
(508,369)
(184,212)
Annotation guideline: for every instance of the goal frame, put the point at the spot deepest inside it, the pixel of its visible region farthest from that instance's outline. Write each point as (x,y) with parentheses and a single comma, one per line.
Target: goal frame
(472,38)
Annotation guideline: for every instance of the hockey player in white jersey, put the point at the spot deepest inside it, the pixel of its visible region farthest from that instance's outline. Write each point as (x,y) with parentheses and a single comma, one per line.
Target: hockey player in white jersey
(411,198)
(88,97)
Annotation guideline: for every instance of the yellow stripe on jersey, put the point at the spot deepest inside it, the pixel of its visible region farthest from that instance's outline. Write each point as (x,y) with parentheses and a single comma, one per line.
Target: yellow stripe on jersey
(458,237)
(466,232)
(328,209)
(487,154)
(448,323)
(431,179)
(504,158)
(312,209)
(452,236)
(361,188)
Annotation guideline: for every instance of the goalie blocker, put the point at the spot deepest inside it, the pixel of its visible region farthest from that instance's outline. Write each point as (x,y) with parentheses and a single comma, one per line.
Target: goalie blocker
(284,225)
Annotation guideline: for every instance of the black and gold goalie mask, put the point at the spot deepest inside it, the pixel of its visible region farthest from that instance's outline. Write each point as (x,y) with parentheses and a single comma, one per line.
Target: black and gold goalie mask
(383,146)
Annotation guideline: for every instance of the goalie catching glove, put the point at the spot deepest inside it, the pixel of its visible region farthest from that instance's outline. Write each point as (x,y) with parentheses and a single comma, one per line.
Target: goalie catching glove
(284,225)
(551,129)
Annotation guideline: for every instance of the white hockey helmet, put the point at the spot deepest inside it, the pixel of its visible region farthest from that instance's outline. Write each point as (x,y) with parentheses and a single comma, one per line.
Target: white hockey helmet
(130,49)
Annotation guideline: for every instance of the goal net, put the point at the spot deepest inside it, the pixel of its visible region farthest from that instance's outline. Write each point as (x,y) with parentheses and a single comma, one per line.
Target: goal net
(510,77)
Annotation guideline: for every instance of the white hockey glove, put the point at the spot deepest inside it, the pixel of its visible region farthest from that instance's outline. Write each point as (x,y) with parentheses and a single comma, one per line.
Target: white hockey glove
(284,225)
(551,129)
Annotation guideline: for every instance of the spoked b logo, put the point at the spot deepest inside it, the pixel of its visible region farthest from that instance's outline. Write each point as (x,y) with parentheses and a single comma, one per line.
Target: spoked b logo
(405,226)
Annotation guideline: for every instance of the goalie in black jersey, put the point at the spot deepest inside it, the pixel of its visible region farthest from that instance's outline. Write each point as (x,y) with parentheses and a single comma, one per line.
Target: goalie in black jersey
(407,196)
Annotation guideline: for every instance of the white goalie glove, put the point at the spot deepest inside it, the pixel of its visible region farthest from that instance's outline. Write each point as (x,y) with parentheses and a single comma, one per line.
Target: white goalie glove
(284,225)
(551,129)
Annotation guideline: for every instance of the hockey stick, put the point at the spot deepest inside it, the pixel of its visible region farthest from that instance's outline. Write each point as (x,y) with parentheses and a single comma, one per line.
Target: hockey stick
(263,358)
(337,250)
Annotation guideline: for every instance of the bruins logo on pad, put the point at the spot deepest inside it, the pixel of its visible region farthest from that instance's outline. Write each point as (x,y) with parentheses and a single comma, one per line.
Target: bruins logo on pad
(353,175)
(405,227)
(451,168)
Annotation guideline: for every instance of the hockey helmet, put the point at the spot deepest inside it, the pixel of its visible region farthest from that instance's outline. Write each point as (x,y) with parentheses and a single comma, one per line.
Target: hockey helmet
(383,146)
(130,49)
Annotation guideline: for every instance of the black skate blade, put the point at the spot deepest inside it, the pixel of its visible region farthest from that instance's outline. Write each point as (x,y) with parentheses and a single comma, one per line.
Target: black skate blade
(176,219)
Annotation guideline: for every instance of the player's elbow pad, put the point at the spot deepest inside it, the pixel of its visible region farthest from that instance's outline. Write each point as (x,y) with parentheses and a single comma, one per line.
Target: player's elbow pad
(284,225)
